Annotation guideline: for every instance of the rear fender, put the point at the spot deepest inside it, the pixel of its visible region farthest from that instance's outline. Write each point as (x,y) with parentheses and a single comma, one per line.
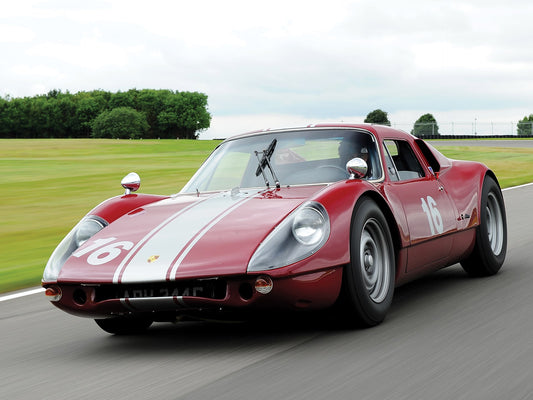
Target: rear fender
(464,183)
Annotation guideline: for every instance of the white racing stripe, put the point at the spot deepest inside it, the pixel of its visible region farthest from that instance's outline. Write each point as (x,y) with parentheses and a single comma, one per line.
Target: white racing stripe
(134,250)
(175,238)
(201,234)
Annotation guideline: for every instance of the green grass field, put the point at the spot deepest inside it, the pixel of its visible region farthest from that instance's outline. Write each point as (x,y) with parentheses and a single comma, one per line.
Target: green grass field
(48,185)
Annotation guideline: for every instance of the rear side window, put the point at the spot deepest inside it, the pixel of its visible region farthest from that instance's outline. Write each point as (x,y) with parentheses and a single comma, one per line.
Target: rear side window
(402,163)
(430,157)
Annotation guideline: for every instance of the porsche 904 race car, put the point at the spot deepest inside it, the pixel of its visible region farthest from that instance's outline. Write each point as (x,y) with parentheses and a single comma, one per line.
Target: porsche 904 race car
(326,216)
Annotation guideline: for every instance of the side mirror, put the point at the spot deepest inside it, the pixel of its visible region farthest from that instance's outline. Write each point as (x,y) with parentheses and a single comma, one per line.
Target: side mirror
(357,168)
(131,182)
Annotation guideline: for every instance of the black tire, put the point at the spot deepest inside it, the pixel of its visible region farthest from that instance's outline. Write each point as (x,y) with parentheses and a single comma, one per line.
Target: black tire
(124,325)
(368,281)
(490,248)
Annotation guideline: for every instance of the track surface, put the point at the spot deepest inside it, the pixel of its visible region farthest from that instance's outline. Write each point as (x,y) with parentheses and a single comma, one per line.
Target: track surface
(446,337)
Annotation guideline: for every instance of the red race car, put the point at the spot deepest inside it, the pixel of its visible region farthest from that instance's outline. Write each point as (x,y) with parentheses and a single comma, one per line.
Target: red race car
(326,216)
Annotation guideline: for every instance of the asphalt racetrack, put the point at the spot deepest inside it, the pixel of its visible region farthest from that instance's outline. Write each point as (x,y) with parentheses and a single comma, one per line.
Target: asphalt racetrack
(446,337)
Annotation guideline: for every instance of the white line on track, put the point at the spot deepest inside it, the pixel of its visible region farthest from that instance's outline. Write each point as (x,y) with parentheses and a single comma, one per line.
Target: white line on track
(517,187)
(21,294)
(39,290)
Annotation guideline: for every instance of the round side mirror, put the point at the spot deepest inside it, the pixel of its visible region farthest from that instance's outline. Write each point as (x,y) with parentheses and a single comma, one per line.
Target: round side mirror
(131,182)
(357,168)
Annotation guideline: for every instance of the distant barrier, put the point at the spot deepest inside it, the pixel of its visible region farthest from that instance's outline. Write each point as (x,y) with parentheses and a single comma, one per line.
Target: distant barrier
(451,137)
(467,130)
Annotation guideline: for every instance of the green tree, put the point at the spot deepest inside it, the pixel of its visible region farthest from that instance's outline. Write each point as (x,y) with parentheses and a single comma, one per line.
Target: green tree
(4,128)
(184,115)
(122,99)
(120,123)
(525,126)
(62,121)
(151,103)
(18,118)
(58,114)
(53,94)
(38,112)
(377,117)
(425,126)
(88,106)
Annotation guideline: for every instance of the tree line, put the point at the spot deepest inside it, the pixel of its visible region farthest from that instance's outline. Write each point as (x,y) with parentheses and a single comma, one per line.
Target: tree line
(146,113)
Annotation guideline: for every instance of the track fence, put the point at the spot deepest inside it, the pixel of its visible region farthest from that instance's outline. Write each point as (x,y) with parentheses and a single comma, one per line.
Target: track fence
(469,129)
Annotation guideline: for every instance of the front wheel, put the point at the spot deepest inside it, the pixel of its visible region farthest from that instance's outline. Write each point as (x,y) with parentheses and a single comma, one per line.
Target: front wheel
(123,325)
(369,277)
(491,235)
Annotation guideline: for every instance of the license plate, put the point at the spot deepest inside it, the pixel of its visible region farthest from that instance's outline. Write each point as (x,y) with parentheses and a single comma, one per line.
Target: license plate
(208,288)
(194,291)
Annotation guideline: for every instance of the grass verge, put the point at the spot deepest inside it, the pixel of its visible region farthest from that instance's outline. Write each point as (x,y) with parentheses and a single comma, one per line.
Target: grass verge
(48,185)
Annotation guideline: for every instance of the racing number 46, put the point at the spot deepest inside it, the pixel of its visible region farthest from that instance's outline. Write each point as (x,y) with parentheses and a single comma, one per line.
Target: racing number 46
(429,206)
(103,254)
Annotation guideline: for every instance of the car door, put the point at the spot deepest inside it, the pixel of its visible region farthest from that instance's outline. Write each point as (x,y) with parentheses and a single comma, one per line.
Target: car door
(427,209)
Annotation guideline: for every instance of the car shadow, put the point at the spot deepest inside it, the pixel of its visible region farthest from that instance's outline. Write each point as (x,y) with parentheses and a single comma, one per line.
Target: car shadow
(421,296)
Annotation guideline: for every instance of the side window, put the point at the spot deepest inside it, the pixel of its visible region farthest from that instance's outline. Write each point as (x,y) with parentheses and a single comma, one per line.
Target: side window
(401,161)
(390,151)
(430,157)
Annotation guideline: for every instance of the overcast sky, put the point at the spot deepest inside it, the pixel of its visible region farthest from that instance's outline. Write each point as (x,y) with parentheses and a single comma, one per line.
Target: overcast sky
(282,63)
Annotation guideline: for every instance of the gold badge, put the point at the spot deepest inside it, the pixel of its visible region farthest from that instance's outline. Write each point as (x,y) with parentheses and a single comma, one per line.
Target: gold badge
(152,259)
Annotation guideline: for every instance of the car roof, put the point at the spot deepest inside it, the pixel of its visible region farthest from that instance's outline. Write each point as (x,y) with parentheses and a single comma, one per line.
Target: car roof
(376,129)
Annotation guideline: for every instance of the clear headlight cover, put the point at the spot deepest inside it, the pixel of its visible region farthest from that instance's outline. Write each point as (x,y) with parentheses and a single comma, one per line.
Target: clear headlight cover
(297,237)
(308,226)
(82,232)
(88,228)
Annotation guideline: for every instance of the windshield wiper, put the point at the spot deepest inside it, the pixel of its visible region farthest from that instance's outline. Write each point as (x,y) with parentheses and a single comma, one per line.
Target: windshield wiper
(265,162)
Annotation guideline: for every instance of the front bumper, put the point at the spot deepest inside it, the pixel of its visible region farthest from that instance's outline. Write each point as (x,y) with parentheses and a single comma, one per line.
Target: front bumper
(167,300)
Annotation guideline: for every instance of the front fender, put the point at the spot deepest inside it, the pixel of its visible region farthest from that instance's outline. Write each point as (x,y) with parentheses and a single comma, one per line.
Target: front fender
(115,207)
(339,200)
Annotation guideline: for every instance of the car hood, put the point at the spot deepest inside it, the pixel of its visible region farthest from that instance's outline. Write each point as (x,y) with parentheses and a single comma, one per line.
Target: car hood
(184,236)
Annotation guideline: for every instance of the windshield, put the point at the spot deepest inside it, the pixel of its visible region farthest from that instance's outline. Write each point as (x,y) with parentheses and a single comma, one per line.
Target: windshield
(290,157)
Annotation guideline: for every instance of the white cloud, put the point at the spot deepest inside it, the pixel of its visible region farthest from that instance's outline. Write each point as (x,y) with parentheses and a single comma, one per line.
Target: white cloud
(15,34)
(37,70)
(280,61)
(90,53)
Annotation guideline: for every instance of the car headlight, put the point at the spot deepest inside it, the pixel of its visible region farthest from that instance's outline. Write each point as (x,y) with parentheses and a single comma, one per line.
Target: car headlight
(83,231)
(298,236)
(87,229)
(308,226)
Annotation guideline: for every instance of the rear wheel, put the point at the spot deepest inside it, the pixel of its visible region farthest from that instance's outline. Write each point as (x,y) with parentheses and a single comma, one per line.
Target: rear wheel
(124,325)
(491,235)
(369,277)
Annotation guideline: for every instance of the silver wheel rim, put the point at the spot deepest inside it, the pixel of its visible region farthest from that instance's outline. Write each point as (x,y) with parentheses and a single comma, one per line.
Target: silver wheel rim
(494,223)
(374,261)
